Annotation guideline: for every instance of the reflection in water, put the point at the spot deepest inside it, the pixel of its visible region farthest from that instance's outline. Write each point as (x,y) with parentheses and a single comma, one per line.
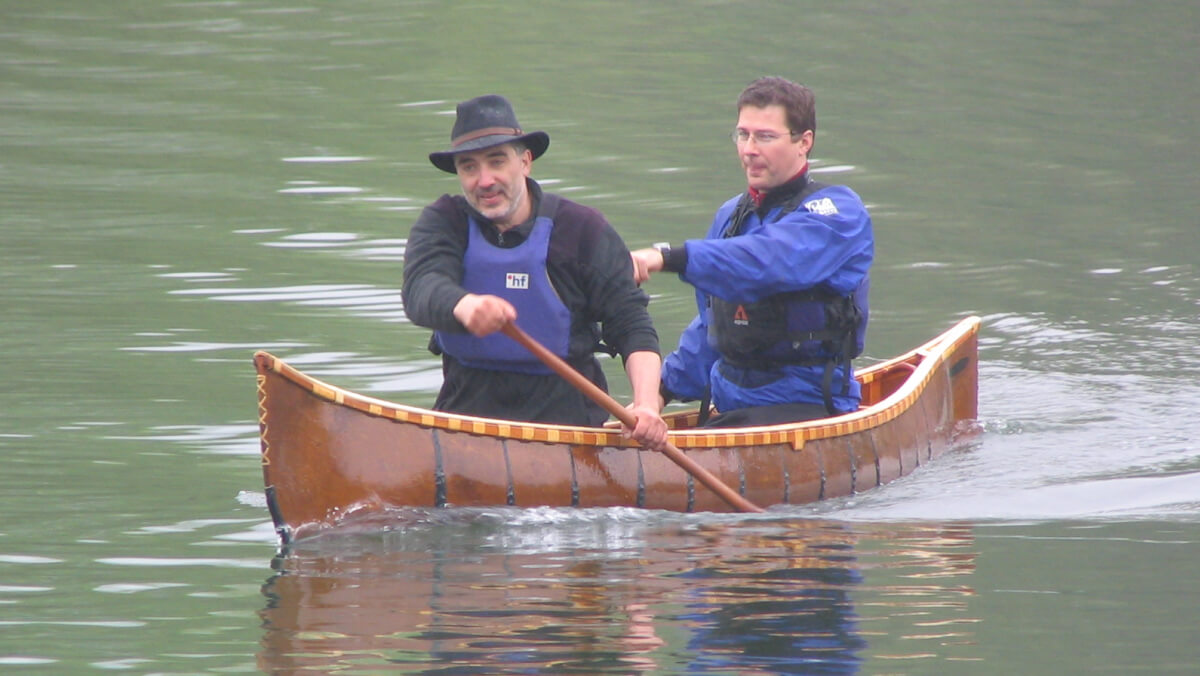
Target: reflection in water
(473,592)
(772,603)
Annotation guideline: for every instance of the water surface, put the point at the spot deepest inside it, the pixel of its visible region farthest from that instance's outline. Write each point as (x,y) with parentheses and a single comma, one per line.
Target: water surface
(184,183)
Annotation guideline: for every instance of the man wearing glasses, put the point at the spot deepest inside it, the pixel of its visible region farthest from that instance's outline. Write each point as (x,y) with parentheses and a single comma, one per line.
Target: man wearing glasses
(781,279)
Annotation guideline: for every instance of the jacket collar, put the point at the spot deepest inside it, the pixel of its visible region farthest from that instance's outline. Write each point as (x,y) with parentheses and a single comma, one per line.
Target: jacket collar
(765,201)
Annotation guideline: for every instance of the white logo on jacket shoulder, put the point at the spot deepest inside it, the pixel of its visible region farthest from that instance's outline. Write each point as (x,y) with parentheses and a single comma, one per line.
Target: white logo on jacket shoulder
(823,206)
(516,280)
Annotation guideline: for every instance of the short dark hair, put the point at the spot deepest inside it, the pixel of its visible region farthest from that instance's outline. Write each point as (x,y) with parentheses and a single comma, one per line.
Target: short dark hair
(799,103)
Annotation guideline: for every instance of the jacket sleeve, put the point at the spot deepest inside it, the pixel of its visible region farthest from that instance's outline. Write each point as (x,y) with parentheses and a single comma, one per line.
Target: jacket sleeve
(614,299)
(685,371)
(828,240)
(433,267)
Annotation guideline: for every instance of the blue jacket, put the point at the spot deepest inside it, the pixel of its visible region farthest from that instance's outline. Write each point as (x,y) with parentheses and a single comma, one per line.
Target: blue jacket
(827,242)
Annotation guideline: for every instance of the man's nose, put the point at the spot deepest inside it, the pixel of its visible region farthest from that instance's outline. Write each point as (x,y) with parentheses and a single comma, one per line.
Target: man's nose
(486,178)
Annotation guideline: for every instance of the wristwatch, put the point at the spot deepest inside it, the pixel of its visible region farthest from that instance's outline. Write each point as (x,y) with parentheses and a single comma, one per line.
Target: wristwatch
(663,248)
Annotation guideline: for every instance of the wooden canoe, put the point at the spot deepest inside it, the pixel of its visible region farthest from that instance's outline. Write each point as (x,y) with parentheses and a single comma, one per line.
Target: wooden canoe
(329,454)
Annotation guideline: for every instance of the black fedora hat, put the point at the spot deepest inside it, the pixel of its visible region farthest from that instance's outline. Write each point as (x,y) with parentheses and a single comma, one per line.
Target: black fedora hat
(483,122)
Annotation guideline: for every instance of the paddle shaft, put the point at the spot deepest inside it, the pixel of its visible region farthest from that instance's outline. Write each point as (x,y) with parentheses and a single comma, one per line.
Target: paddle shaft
(609,404)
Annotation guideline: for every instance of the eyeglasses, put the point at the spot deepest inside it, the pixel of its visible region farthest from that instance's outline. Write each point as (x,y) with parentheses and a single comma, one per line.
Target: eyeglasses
(761,138)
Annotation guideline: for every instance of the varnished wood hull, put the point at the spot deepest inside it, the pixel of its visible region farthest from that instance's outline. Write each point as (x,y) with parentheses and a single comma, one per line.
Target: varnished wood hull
(329,454)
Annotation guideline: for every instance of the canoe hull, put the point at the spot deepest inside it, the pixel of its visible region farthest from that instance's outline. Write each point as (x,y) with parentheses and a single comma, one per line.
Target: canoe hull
(329,454)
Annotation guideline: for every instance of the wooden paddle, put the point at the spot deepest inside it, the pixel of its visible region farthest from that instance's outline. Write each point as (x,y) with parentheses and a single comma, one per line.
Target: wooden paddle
(609,404)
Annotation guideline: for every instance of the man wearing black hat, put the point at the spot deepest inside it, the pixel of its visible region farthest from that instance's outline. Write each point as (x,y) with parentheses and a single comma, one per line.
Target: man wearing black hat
(505,251)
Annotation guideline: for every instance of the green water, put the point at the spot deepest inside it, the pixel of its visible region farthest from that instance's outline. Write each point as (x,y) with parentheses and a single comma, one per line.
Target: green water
(184,183)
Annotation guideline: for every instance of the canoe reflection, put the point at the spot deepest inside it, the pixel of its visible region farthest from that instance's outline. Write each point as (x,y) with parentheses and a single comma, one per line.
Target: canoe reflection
(589,597)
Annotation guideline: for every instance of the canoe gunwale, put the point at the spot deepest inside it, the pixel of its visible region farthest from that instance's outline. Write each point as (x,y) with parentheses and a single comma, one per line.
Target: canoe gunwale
(924,360)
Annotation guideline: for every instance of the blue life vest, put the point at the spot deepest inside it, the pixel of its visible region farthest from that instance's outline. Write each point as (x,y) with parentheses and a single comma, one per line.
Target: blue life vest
(518,275)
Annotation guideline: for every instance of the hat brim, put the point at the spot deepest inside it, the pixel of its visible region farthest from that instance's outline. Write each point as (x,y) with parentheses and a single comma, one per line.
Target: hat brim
(536,141)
